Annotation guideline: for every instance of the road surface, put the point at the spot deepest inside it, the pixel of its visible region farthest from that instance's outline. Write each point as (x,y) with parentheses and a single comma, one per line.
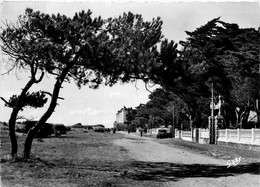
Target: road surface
(172,166)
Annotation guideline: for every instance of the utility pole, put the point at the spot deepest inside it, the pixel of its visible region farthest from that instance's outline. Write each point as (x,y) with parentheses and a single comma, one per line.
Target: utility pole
(173,125)
(258,99)
(171,110)
(212,129)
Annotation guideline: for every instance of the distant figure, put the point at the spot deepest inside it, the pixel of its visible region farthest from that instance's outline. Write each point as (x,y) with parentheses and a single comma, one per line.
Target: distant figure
(141,132)
(128,131)
(114,130)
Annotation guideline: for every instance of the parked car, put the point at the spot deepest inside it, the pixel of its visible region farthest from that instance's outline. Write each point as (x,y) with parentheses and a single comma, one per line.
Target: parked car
(162,133)
(99,129)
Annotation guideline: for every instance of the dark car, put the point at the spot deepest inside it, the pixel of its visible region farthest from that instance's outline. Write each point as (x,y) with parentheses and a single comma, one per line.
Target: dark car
(99,129)
(162,133)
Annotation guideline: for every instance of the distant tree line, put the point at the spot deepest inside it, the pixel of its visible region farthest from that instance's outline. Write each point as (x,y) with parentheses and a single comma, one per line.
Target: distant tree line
(216,53)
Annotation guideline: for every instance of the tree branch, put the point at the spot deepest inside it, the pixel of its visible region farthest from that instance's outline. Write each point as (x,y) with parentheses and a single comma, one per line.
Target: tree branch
(136,85)
(147,88)
(48,93)
(40,79)
(52,73)
(6,102)
(8,71)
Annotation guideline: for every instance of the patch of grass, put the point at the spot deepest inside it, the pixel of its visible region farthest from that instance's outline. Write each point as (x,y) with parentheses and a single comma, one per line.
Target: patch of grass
(75,159)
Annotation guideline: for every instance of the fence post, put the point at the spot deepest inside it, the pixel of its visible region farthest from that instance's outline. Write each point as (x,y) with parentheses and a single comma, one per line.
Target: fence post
(199,134)
(238,135)
(226,135)
(193,135)
(252,136)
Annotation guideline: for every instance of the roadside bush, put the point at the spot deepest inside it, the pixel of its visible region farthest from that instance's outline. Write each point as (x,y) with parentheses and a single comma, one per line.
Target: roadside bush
(20,128)
(45,131)
(29,125)
(60,129)
(68,128)
(99,130)
(4,126)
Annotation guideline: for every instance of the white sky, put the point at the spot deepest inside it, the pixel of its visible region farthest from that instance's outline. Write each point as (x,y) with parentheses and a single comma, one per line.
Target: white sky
(100,106)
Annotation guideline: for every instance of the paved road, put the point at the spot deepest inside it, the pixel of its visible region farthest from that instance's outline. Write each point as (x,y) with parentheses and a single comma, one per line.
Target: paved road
(172,166)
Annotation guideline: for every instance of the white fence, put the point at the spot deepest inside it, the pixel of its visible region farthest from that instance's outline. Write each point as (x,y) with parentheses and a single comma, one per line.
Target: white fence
(240,136)
(204,133)
(185,135)
(203,136)
(153,131)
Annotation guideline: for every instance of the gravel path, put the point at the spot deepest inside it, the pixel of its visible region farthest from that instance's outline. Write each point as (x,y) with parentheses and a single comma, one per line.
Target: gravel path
(184,168)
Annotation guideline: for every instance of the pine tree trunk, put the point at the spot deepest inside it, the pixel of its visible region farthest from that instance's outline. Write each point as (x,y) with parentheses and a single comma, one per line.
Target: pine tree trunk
(257,109)
(258,119)
(32,132)
(28,142)
(12,120)
(239,116)
(245,117)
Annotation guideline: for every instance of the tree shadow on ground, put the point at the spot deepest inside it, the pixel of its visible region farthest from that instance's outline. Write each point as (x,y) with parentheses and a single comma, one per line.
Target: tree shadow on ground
(163,171)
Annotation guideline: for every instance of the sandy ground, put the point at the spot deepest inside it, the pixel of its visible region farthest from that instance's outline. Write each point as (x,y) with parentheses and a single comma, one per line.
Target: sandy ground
(185,168)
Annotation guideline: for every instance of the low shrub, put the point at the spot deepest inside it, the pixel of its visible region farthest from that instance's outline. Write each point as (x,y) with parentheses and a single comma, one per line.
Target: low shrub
(45,131)
(60,129)
(68,128)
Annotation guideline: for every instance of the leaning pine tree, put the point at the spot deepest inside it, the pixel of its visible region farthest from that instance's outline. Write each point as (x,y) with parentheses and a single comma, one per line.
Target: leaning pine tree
(21,44)
(88,51)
